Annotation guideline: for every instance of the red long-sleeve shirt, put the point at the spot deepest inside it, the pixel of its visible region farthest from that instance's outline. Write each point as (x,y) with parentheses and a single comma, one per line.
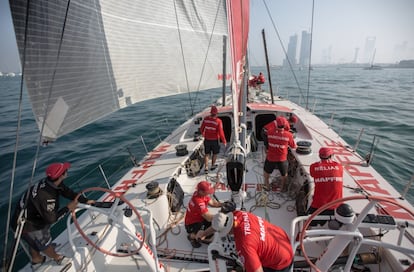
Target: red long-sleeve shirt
(212,129)
(327,175)
(259,243)
(279,140)
(197,206)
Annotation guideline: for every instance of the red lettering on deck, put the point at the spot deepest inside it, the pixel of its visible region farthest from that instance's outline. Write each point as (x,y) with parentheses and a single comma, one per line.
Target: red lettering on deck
(250,185)
(147,164)
(343,160)
(353,165)
(123,187)
(156,153)
(395,211)
(372,185)
(162,148)
(154,156)
(136,174)
(354,171)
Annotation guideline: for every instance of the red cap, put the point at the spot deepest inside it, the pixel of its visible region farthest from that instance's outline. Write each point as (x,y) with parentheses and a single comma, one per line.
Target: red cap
(293,119)
(55,170)
(280,121)
(213,110)
(325,152)
(205,187)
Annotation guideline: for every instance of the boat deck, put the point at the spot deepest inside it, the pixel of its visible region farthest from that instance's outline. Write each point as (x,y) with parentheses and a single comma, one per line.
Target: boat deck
(165,227)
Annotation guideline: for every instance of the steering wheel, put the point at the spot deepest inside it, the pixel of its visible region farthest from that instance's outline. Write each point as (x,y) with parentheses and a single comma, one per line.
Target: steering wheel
(113,219)
(341,238)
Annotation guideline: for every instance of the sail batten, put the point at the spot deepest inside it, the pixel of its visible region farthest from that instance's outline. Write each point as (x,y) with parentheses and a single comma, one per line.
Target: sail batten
(111,55)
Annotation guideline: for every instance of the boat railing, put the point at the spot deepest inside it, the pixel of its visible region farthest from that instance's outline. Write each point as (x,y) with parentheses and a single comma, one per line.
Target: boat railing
(407,188)
(298,223)
(369,155)
(123,156)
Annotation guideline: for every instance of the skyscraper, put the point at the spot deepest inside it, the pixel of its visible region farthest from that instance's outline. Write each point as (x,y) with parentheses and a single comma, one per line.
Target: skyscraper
(327,55)
(355,60)
(369,50)
(304,57)
(291,51)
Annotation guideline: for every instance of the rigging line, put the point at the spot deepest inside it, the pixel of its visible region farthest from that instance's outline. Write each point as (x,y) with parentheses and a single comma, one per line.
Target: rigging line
(182,54)
(19,119)
(208,48)
(284,50)
(310,54)
(244,59)
(46,109)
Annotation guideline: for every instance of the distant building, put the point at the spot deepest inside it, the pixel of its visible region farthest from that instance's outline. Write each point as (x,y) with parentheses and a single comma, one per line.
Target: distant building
(291,51)
(355,60)
(368,50)
(400,51)
(304,57)
(406,64)
(327,55)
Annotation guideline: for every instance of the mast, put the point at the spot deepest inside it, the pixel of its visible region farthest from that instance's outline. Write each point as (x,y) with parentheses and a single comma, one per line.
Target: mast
(238,29)
(267,65)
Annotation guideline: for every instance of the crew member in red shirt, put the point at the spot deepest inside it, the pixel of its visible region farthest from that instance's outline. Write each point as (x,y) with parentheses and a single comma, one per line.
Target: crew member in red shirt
(288,124)
(260,78)
(253,81)
(278,141)
(327,175)
(260,245)
(292,121)
(197,216)
(212,131)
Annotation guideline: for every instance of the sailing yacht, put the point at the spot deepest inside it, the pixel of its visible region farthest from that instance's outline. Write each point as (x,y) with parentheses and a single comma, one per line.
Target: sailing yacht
(372,66)
(83,60)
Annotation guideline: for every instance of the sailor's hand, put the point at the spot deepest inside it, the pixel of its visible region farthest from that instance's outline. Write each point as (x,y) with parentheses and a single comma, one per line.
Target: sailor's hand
(90,202)
(72,205)
(200,235)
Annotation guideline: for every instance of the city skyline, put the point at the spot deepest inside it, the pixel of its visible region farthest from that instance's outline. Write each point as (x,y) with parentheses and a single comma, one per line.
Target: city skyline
(340,29)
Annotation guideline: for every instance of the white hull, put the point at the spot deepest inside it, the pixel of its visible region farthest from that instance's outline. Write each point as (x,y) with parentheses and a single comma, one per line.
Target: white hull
(175,251)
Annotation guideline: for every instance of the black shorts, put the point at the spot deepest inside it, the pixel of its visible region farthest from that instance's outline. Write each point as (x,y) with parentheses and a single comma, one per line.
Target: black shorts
(39,240)
(194,228)
(319,222)
(211,146)
(282,166)
(286,269)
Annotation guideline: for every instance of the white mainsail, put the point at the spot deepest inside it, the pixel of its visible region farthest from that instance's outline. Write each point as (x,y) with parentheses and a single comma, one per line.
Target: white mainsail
(95,57)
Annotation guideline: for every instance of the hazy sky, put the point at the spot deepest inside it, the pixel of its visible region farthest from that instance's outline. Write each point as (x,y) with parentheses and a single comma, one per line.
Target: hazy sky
(340,26)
